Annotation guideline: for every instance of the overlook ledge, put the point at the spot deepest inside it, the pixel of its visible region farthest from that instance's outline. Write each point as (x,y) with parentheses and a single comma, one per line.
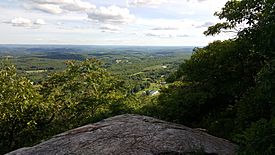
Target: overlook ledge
(131,134)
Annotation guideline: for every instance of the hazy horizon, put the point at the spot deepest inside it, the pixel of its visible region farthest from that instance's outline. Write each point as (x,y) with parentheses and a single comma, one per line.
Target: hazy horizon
(107,45)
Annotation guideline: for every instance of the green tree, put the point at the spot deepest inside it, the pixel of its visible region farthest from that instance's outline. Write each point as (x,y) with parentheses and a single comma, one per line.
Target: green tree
(258,103)
(21,110)
(258,139)
(252,20)
(81,92)
(228,87)
(219,74)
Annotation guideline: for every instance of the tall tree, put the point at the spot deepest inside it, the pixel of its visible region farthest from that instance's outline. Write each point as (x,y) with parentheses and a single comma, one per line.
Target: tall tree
(21,110)
(80,92)
(228,87)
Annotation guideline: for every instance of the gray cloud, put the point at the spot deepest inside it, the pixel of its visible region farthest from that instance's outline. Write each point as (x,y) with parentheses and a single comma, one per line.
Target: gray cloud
(109,28)
(205,25)
(182,36)
(166,35)
(157,35)
(140,3)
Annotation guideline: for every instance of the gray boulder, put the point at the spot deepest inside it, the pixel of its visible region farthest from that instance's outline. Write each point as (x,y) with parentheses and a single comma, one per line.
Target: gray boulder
(131,135)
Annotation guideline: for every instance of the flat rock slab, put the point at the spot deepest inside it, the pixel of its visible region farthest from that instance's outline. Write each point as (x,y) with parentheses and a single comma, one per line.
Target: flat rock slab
(131,135)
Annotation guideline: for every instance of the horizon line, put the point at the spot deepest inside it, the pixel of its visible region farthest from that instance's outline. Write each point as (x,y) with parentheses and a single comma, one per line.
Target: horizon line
(48,44)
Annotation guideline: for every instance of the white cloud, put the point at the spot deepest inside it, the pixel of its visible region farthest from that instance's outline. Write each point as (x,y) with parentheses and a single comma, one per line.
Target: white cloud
(145,2)
(164,28)
(25,22)
(48,8)
(197,0)
(59,6)
(189,13)
(51,1)
(21,22)
(182,35)
(39,22)
(111,15)
(79,5)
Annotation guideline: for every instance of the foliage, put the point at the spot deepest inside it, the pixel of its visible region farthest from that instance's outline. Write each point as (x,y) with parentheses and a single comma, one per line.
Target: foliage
(20,110)
(83,93)
(80,92)
(252,20)
(259,138)
(227,87)
(213,80)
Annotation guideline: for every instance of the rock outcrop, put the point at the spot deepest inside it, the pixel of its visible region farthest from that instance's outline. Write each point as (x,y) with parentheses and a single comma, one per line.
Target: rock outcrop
(131,135)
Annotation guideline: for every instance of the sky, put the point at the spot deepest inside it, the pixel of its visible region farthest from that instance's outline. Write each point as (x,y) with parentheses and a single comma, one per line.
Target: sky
(109,22)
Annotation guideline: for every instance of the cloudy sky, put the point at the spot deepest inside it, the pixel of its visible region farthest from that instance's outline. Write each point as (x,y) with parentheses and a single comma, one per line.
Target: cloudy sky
(108,22)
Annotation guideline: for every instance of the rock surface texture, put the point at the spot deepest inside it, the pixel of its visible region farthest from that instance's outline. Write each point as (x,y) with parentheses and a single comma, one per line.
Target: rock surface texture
(131,135)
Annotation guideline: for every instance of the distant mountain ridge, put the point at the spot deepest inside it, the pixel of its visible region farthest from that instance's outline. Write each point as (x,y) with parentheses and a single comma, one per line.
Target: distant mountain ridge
(88,48)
